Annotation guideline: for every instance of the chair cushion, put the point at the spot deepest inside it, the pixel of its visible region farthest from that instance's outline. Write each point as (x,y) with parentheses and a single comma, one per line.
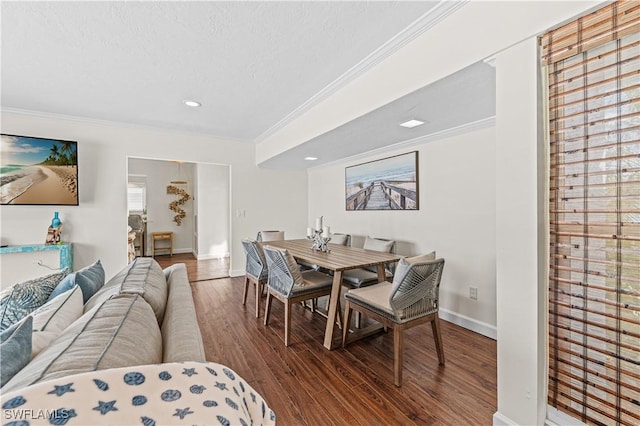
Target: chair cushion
(271,236)
(15,349)
(362,277)
(374,296)
(23,298)
(50,320)
(121,332)
(294,269)
(421,258)
(90,279)
(312,281)
(340,239)
(378,245)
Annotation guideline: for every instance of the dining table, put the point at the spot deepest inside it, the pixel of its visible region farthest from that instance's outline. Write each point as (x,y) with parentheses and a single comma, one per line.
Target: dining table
(337,259)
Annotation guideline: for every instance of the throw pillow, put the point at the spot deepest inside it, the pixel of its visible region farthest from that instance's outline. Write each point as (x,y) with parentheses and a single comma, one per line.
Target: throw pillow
(15,349)
(23,298)
(66,284)
(53,317)
(378,245)
(422,258)
(90,279)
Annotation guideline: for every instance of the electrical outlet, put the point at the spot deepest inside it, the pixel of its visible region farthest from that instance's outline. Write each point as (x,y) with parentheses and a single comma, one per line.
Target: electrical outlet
(473,293)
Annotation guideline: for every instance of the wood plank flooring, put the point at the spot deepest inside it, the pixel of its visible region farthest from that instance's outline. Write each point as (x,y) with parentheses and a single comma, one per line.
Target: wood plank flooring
(305,384)
(197,270)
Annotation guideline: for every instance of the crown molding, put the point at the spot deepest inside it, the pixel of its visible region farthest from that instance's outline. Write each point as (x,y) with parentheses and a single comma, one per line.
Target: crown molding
(121,124)
(418,27)
(454,131)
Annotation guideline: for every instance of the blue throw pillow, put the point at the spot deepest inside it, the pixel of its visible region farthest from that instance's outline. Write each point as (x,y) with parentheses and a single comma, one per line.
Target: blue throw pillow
(15,349)
(23,298)
(67,283)
(90,280)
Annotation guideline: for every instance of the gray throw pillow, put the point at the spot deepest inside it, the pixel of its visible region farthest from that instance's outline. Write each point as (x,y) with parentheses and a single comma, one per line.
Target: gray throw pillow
(90,280)
(23,298)
(15,349)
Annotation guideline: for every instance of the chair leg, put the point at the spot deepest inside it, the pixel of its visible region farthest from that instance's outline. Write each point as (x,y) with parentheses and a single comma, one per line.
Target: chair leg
(345,323)
(338,318)
(267,308)
(246,288)
(437,336)
(258,294)
(358,322)
(287,322)
(398,355)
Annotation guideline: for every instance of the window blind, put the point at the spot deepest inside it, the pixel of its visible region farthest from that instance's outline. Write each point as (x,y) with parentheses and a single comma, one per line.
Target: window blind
(593,67)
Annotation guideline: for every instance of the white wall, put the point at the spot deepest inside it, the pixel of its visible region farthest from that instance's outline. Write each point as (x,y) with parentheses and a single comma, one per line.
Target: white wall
(98,226)
(159,216)
(212,201)
(456,218)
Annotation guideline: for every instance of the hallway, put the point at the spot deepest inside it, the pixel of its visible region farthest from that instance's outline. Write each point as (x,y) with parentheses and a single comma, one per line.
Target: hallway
(197,270)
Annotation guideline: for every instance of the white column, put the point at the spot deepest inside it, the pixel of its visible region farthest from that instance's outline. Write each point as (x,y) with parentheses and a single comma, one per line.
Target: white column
(520,241)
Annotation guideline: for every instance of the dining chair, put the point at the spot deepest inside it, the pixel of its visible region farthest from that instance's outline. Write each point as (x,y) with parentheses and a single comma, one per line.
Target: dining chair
(337,238)
(256,271)
(289,285)
(264,236)
(361,277)
(411,300)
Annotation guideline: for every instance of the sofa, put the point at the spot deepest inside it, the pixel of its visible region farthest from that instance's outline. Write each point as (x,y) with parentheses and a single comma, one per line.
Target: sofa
(141,323)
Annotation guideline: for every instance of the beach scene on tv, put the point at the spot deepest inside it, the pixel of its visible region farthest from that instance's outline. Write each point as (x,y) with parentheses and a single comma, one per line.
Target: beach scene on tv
(387,184)
(38,171)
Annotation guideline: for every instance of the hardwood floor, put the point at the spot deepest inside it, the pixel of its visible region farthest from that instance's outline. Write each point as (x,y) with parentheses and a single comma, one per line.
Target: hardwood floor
(197,270)
(305,384)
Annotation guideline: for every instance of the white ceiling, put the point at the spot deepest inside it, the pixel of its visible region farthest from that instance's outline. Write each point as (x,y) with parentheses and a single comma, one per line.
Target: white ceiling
(252,65)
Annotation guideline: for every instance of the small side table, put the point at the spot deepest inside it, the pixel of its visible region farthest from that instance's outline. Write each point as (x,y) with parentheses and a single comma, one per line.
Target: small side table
(161,236)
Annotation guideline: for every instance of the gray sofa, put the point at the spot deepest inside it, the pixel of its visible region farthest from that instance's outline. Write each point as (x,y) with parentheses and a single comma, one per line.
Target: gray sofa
(143,315)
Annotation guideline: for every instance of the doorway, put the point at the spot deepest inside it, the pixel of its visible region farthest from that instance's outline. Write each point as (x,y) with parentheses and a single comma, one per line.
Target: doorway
(190,200)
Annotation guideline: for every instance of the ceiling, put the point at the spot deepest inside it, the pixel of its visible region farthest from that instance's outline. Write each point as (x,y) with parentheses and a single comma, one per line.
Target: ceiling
(252,65)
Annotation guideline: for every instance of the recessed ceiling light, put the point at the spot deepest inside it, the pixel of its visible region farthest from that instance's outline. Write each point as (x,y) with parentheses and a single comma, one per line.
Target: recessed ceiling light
(412,123)
(192,104)
(311,158)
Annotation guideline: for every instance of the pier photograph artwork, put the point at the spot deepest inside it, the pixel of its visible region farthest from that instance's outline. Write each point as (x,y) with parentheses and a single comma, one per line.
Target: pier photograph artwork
(387,184)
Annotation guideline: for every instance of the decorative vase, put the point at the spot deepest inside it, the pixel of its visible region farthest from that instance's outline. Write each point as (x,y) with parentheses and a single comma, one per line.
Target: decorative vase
(55,222)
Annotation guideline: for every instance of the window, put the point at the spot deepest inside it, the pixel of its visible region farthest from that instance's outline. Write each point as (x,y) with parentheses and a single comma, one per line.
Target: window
(593,67)
(137,196)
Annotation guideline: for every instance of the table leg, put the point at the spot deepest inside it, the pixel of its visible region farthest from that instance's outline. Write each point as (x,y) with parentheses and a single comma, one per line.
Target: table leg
(333,307)
(381,273)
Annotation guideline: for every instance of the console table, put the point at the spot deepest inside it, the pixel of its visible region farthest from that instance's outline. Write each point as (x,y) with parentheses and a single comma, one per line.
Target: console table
(66,251)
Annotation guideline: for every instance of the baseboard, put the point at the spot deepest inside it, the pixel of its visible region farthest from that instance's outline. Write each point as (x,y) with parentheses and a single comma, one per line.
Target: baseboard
(209,256)
(556,418)
(502,420)
(469,323)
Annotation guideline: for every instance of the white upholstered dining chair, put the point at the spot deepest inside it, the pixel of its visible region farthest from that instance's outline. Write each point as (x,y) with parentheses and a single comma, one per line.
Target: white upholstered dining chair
(411,300)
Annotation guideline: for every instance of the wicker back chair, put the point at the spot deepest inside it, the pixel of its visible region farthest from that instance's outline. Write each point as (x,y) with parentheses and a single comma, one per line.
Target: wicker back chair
(362,277)
(287,284)
(411,300)
(264,236)
(256,271)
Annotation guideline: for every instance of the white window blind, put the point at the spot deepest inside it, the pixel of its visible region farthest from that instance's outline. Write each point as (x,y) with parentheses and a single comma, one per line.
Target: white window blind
(136,197)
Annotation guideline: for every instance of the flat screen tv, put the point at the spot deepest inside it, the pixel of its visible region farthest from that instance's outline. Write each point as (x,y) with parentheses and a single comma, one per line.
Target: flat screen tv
(38,171)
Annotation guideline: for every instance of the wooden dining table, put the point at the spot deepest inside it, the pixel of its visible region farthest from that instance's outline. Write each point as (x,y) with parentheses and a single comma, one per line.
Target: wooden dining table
(340,258)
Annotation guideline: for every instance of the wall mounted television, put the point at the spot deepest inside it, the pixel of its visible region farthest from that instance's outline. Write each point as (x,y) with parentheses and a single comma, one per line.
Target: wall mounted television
(38,171)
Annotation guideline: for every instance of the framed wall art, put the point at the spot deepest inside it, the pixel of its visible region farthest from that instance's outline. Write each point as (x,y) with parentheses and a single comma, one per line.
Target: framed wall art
(387,184)
(38,171)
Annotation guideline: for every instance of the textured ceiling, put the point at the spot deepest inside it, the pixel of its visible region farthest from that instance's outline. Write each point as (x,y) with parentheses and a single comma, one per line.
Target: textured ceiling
(250,64)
